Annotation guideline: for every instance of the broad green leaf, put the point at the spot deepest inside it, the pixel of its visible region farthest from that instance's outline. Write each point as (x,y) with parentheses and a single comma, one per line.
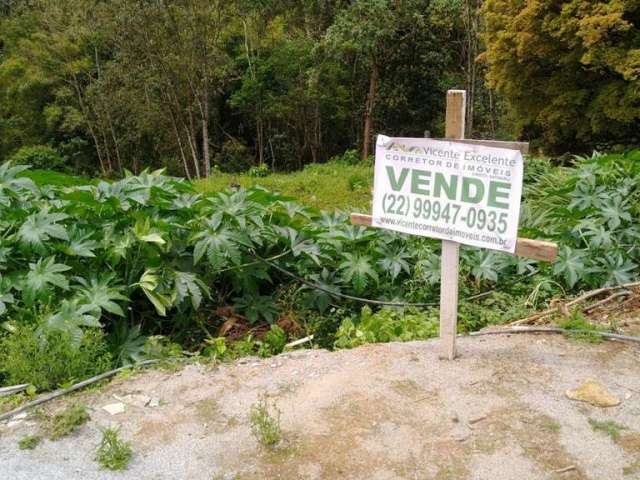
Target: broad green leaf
(42,226)
(42,275)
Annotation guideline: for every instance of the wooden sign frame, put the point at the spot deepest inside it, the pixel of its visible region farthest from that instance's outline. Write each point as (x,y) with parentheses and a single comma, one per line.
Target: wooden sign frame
(450,260)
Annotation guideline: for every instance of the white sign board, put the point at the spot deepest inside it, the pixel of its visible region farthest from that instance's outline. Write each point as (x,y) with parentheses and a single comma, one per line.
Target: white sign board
(468,194)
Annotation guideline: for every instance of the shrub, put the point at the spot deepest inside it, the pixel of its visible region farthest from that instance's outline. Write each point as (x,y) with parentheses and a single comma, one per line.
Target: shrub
(40,157)
(113,453)
(47,360)
(234,157)
(260,171)
(387,325)
(274,342)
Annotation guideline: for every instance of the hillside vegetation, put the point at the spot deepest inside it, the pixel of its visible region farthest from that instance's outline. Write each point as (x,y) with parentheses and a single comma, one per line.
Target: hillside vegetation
(169,268)
(191,85)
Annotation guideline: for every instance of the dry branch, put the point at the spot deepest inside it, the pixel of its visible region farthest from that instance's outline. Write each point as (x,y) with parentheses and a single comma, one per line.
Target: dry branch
(575,301)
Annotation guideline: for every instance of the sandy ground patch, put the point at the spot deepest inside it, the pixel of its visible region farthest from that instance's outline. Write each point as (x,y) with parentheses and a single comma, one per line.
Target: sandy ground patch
(384,412)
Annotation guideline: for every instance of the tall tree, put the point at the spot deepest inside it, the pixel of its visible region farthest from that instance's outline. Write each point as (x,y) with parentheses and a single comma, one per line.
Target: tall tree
(570,70)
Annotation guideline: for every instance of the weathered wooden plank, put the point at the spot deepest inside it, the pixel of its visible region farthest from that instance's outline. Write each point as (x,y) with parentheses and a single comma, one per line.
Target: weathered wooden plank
(455,123)
(523,147)
(456,114)
(525,247)
(449,266)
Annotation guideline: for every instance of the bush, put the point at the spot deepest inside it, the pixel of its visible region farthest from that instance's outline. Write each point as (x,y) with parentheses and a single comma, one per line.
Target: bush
(40,157)
(387,325)
(234,157)
(260,171)
(49,360)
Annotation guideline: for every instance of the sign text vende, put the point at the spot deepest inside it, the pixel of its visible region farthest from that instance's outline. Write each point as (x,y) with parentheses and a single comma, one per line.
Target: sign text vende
(465,193)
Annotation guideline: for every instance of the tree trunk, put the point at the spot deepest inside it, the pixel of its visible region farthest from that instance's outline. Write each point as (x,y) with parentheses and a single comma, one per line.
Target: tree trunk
(206,155)
(368,112)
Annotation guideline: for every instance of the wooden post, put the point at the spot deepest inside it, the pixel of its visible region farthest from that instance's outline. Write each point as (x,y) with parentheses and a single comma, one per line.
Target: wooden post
(449,263)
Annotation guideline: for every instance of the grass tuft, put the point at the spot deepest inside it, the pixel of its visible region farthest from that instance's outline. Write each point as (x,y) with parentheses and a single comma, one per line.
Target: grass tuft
(67,421)
(113,453)
(29,442)
(265,425)
(609,427)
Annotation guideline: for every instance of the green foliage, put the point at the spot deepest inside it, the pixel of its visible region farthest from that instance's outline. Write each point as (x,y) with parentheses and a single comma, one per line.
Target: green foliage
(147,259)
(48,359)
(592,211)
(236,157)
(259,172)
(113,453)
(387,325)
(40,157)
(569,69)
(274,342)
(265,422)
(29,442)
(67,421)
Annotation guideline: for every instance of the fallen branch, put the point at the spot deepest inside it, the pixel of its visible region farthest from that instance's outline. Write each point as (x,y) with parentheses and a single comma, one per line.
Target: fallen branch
(73,388)
(6,391)
(610,298)
(570,468)
(575,301)
(508,331)
(299,342)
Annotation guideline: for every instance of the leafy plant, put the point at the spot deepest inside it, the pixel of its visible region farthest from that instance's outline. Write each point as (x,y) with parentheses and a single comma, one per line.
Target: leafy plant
(387,325)
(273,343)
(113,453)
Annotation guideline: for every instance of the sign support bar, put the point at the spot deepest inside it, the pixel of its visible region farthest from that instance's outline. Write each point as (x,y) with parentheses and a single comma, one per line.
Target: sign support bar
(450,260)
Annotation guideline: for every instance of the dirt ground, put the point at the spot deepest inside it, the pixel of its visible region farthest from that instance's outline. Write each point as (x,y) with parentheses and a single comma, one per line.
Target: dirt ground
(380,412)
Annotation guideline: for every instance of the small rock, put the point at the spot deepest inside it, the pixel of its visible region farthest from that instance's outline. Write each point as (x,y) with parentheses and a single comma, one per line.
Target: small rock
(114,408)
(154,402)
(20,416)
(593,393)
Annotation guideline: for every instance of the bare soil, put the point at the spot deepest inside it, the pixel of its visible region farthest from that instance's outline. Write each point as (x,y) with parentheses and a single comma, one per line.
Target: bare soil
(382,412)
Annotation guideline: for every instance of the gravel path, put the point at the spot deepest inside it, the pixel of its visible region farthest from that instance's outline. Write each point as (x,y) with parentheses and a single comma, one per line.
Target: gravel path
(381,412)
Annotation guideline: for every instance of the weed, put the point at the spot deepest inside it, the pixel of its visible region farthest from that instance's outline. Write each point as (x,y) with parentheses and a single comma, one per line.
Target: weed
(265,425)
(609,427)
(12,401)
(208,410)
(583,329)
(67,421)
(29,442)
(113,453)
(551,426)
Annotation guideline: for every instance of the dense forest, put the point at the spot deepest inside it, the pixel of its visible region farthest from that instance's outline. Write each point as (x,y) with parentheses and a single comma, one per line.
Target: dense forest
(195,85)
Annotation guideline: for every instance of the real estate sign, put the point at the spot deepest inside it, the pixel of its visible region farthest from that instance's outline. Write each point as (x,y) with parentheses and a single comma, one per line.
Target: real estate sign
(465,193)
